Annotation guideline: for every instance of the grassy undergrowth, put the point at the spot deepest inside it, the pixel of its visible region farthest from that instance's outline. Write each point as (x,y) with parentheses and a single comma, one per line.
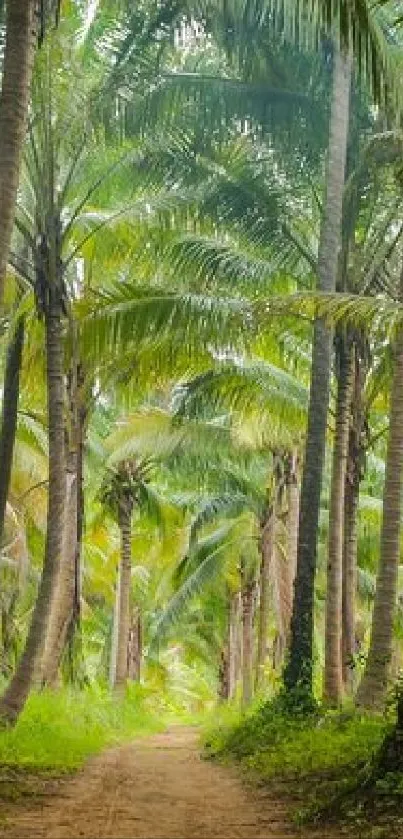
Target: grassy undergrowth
(61,729)
(316,760)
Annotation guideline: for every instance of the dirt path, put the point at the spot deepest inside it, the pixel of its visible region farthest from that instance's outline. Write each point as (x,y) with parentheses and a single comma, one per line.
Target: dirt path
(158,788)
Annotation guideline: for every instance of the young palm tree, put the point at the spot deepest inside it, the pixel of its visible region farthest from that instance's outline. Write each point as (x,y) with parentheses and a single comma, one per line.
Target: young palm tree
(120,493)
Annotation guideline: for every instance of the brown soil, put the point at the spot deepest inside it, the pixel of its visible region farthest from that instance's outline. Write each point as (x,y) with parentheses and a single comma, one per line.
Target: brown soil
(156,788)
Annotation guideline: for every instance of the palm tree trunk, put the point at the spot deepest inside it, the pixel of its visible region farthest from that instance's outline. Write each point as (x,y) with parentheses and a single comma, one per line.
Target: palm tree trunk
(63,596)
(134,652)
(125,525)
(292,515)
(223,674)
(17,692)
(115,632)
(373,686)
(11,391)
(351,499)
(248,590)
(79,415)
(333,677)
(299,669)
(354,475)
(14,99)
(267,542)
(234,653)
(64,613)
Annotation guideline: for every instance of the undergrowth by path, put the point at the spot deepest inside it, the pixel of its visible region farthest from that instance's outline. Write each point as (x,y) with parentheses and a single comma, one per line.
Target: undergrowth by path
(320,760)
(61,729)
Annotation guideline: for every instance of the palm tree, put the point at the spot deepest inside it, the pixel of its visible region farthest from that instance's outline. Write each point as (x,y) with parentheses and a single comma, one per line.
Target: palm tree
(53,178)
(121,492)
(299,668)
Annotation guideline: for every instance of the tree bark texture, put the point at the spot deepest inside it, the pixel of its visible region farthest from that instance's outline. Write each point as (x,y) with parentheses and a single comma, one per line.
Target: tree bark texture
(235,643)
(11,390)
(17,692)
(299,668)
(134,647)
(125,526)
(292,486)
(65,606)
(267,543)
(14,100)
(63,595)
(333,676)
(115,631)
(248,591)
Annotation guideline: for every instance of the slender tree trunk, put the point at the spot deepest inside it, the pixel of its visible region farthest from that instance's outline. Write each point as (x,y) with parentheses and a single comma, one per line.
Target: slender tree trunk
(115,631)
(134,650)
(352,492)
(125,525)
(63,595)
(299,669)
(267,542)
(64,613)
(11,391)
(285,563)
(234,653)
(79,414)
(17,692)
(333,677)
(354,474)
(14,99)
(223,674)
(282,597)
(248,590)
(373,686)
(292,515)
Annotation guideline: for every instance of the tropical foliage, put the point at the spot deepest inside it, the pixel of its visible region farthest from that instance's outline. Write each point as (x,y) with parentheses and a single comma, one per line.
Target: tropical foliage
(201,348)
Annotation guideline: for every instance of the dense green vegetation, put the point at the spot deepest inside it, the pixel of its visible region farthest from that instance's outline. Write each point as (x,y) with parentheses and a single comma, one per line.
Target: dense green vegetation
(61,730)
(201,355)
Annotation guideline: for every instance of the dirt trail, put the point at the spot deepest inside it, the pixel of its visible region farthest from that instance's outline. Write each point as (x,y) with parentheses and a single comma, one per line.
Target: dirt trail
(156,788)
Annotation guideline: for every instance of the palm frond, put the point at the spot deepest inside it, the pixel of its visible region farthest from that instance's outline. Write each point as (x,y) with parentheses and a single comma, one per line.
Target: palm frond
(208,558)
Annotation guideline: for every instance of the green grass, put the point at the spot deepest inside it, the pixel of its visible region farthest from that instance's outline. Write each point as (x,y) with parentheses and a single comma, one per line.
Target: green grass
(61,729)
(320,764)
(283,746)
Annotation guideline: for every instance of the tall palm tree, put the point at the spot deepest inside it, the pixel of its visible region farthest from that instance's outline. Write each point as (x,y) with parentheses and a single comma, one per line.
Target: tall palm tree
(299,668)
(54,155)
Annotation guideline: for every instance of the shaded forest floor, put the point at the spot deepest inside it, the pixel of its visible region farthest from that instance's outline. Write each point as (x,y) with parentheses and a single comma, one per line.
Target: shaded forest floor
(155,788)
